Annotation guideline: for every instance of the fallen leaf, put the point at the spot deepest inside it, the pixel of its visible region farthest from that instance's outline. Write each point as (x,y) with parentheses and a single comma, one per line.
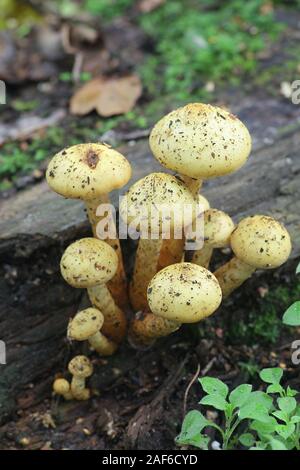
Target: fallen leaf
(145,6)
(109,96)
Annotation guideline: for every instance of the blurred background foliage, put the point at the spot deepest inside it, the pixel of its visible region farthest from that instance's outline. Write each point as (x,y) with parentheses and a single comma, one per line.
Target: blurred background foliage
(193,50)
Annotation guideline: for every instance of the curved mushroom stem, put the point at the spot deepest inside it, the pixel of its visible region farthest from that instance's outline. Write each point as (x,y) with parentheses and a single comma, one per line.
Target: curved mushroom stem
(118,284)
(172,252)
(202,257)
(232,275)
(145,267)
(193,184)
(102,345)
(115,322)
(146,327)
(78,388)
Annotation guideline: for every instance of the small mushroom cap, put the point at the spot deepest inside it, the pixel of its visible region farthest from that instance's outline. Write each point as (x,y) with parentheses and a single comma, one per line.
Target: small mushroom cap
(218,228)
(88,262)
(261,242)
(81,367)
(85,324)
(200,141)
(154,194)
(184,292)
(61,386)
(87,171)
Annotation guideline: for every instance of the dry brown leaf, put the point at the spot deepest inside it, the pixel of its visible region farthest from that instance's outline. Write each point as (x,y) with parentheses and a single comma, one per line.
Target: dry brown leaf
(109,96)
(145,6)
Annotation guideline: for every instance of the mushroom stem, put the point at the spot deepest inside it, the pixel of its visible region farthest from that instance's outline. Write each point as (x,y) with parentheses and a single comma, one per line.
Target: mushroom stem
(102,345)
(146,266)
(118,284)
(146,327)
(115,322)
(172,252)
(232,275)
(193,184)
(202,257)
(78,388)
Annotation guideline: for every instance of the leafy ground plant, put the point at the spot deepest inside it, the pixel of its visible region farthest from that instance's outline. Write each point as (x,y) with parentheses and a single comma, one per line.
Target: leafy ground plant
(292,314)
(256,420)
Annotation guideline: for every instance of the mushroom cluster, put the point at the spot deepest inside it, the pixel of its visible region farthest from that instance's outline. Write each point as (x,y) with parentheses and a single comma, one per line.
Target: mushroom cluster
(169,286)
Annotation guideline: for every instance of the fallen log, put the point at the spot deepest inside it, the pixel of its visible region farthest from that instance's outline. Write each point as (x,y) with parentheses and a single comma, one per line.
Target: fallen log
(36,225)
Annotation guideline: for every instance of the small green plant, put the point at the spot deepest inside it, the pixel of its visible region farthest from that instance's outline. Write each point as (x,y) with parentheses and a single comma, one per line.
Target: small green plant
(292,315)
(256,420)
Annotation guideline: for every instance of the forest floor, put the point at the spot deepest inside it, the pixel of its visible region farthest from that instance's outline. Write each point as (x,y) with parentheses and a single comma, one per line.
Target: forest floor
(143,405)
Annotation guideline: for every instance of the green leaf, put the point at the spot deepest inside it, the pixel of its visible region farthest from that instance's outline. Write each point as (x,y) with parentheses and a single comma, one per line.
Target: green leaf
(215,400)
(275,388)
(271,375)
(212,385)
(193,423)
(257,407)
(287,404)
(247,439)
(298,269)
(200,441)
(282,415)
(263,428)
(290,392)
(285,430)
(259,446)
(277,445)
(240,395)
(292,315)
(295,419)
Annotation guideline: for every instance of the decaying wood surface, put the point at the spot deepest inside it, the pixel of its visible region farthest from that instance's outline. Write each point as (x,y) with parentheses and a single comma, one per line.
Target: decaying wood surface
(36,226)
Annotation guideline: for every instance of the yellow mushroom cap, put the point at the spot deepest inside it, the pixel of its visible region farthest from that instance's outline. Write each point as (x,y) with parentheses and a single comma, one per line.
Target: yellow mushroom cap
(154,192)
(200,141)
(87,171)
(261,242)
(61,386)
(88,262)
(81,367)
(184,292)
(85,324)
(218,228)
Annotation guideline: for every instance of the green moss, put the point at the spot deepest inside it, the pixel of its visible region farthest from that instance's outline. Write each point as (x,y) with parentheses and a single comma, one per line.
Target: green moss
(204,43)
(263,323)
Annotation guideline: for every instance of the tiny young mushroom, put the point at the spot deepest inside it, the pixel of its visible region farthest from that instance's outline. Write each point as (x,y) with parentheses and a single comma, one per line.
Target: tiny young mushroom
(90,172)
(218,228)
(62,387)
(86,325)
(81,368)
(156,204)
(258,242)
(90,263)
(180,293)
(200,142)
